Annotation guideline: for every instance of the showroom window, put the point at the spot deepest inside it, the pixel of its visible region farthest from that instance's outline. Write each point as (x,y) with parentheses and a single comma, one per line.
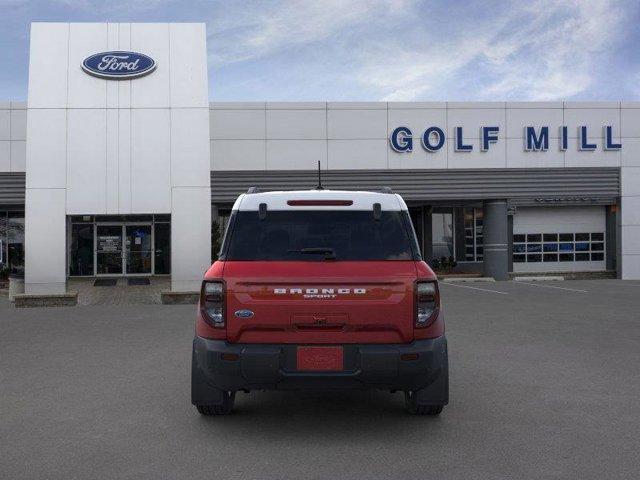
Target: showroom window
(218,228)
(442,233)
(473,219)
(558,247)
(120,245)
(11,242)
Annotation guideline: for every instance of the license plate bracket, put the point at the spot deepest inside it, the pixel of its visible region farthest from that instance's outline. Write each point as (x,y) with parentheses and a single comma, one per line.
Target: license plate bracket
(320,359)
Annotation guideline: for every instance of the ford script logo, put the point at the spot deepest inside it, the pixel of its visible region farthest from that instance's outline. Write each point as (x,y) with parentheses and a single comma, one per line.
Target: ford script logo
(244,314)
(118,65)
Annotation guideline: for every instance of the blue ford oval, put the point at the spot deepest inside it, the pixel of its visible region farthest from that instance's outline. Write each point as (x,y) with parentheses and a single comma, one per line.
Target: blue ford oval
(118,65)
(243,313)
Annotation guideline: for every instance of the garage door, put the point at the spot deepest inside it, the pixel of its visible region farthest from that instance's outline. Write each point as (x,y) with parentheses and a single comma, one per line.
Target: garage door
(559,239)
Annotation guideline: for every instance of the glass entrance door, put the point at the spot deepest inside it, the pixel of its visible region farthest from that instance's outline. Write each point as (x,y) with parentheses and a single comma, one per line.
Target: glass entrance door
(139,249)
(109,250)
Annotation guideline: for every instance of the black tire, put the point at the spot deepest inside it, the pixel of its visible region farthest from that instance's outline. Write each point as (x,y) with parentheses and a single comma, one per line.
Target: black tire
(228,399)
(413,407)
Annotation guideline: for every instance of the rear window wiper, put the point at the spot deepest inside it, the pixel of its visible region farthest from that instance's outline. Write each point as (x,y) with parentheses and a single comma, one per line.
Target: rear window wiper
(329,253)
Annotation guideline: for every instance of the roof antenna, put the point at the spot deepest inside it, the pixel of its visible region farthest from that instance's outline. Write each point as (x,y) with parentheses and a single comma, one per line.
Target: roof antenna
(319,187)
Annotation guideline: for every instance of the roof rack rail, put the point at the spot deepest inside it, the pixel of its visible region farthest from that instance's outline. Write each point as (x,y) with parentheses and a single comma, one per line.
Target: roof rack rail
(253,190)
(384,190)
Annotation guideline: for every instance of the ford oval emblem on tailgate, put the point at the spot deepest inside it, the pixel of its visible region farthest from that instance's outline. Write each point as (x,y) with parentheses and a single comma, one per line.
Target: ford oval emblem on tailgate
(244,313)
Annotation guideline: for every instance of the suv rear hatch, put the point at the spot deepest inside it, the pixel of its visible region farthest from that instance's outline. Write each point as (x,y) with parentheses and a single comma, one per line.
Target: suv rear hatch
(320,276)
(320,302)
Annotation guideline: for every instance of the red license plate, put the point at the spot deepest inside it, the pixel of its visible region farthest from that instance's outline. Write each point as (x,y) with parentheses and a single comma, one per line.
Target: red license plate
(320,359)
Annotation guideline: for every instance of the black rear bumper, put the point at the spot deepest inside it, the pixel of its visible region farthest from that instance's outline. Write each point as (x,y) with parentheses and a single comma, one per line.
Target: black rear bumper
(273,367)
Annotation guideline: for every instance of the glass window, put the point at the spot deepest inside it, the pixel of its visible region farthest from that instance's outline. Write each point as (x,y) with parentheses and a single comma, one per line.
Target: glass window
(218,228)
(479,214)
(305,235)
(15,242)
(162,248)
(4,267)
(566,247)
(82,219)
(442,234)
(138,249)
(534,258)
(473,219)
(567,250)
(109,249)
(110,218)
(81,251)
(519,258)
(469,236)
(582,247)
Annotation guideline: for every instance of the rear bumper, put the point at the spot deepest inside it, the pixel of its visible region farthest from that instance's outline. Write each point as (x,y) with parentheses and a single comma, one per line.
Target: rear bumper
(273,367)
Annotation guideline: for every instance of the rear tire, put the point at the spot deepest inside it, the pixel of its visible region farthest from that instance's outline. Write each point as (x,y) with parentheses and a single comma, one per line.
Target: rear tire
(413,407)
(228,399)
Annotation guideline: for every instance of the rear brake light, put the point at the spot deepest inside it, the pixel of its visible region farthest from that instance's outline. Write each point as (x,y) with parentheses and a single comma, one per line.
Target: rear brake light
(212,303)
(427,303)
(319,203)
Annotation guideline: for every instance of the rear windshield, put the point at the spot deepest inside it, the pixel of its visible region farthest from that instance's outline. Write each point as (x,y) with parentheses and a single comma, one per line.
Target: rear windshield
(319,235)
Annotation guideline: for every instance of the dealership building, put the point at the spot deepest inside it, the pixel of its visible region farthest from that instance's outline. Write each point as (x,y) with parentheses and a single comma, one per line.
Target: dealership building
(118,165)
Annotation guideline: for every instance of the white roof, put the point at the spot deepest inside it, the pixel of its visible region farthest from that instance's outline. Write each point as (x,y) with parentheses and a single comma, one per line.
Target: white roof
(361,200)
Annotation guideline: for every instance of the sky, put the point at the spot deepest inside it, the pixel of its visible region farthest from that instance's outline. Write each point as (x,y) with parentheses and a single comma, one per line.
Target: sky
(377,50)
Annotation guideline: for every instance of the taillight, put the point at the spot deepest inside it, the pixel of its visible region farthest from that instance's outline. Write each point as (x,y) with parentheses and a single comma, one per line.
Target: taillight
(212,303)
(427,303)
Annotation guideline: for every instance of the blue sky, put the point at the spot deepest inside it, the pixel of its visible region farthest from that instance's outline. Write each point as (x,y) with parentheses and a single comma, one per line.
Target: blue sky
(378,49)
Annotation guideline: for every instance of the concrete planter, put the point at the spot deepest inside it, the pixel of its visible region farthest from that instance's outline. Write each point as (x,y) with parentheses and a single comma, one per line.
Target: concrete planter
(179,298)
(16,286)
(68,299)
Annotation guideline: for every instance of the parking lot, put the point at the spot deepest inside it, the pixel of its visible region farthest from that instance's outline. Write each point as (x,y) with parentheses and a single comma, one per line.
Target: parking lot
(545,384)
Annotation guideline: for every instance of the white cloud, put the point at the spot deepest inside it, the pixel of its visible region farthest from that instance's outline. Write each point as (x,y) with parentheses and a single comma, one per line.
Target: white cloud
(101,7)
(546,51)
(259,29)
(407,50)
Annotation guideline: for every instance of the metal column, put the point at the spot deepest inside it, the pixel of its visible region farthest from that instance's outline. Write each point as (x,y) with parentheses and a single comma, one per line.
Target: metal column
(496,254)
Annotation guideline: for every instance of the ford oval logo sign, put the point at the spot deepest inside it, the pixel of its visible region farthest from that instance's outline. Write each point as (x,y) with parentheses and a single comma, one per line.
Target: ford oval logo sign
(244,314)
(118,65)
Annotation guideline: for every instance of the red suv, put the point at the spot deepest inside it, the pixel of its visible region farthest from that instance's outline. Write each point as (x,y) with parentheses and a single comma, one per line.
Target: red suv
(319,289)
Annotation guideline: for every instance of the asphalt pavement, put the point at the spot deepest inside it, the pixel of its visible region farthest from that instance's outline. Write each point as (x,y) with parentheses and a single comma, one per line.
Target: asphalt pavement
(545,384)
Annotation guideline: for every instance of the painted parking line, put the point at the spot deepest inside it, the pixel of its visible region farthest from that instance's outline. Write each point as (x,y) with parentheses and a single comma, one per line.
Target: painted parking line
(473,288)
(551,286)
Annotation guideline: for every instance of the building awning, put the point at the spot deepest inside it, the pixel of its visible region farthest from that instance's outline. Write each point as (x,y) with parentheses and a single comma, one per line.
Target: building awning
(526,186)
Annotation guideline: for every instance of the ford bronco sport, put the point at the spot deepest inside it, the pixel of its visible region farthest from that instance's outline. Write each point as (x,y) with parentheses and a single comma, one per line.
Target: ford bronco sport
(319,289)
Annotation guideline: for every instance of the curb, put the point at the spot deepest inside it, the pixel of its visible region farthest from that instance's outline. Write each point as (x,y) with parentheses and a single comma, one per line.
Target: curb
(468,279)
(538,279)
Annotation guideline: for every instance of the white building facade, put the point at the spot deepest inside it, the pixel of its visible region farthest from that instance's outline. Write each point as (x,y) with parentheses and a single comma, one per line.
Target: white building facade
(122,176)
